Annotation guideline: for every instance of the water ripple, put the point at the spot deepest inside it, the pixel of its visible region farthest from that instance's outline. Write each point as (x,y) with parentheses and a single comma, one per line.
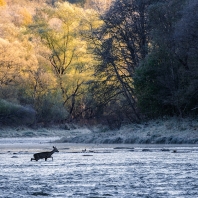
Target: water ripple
(118,174)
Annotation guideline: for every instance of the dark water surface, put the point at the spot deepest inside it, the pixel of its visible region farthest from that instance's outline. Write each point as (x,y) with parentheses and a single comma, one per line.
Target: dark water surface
(102,171)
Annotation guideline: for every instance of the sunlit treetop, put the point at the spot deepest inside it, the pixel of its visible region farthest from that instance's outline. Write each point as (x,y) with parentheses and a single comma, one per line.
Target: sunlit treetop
(26,16)
(2,3)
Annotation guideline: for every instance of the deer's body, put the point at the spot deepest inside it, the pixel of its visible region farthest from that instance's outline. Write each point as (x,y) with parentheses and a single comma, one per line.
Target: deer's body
(44,155)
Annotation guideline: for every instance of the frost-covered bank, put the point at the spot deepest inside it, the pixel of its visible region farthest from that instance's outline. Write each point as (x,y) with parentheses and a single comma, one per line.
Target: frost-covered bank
(171,131)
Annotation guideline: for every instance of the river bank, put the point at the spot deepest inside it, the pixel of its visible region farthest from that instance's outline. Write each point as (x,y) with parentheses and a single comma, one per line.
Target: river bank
(169,131)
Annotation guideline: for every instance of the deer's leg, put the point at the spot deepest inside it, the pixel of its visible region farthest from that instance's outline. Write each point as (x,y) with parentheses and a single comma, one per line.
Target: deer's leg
(52,158)
(45,159)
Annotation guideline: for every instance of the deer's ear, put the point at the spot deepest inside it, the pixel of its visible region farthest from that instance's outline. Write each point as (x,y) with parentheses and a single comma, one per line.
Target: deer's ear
(53,147)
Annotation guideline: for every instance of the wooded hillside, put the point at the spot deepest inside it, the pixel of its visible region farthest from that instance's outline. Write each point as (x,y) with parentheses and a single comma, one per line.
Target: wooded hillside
(95,61)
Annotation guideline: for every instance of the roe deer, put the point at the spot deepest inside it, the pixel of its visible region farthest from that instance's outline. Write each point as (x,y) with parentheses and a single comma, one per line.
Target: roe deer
(45,155)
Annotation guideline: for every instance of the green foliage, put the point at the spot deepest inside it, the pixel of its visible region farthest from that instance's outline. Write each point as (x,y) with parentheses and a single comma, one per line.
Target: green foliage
(14,114)
(149,88)
(166,82)
(164,87)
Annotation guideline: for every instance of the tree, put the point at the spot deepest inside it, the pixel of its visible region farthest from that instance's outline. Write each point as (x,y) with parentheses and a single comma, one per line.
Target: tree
(24,75)
(59,30)
(124,43)
(26,17)
(186,52)
(100,5)
(16,62)
(166,83)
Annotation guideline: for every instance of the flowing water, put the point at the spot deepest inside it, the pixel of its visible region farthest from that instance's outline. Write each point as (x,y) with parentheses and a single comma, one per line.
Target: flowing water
(102,171)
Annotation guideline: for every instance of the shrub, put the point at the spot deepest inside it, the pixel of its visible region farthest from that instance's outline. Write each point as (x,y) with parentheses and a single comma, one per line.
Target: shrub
(14,114)
(51,109)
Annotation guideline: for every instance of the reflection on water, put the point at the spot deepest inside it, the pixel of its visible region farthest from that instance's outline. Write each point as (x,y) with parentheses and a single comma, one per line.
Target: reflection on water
(102,172)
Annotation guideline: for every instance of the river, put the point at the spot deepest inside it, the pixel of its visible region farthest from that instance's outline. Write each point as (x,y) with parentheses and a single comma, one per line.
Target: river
(103,171)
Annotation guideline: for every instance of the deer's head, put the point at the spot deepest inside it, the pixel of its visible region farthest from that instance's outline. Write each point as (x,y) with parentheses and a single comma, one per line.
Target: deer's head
(55,149)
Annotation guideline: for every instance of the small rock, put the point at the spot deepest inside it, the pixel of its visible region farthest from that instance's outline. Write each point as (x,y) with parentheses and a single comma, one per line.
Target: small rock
(14,157)
(40,194)
(123,148)
(165,149)
(146,150)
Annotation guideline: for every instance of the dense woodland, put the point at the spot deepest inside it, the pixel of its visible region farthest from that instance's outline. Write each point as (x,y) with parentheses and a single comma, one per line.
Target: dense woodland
(97,61)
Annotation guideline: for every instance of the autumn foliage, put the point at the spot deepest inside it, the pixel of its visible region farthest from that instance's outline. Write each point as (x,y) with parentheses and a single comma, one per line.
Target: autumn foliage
(95,61)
